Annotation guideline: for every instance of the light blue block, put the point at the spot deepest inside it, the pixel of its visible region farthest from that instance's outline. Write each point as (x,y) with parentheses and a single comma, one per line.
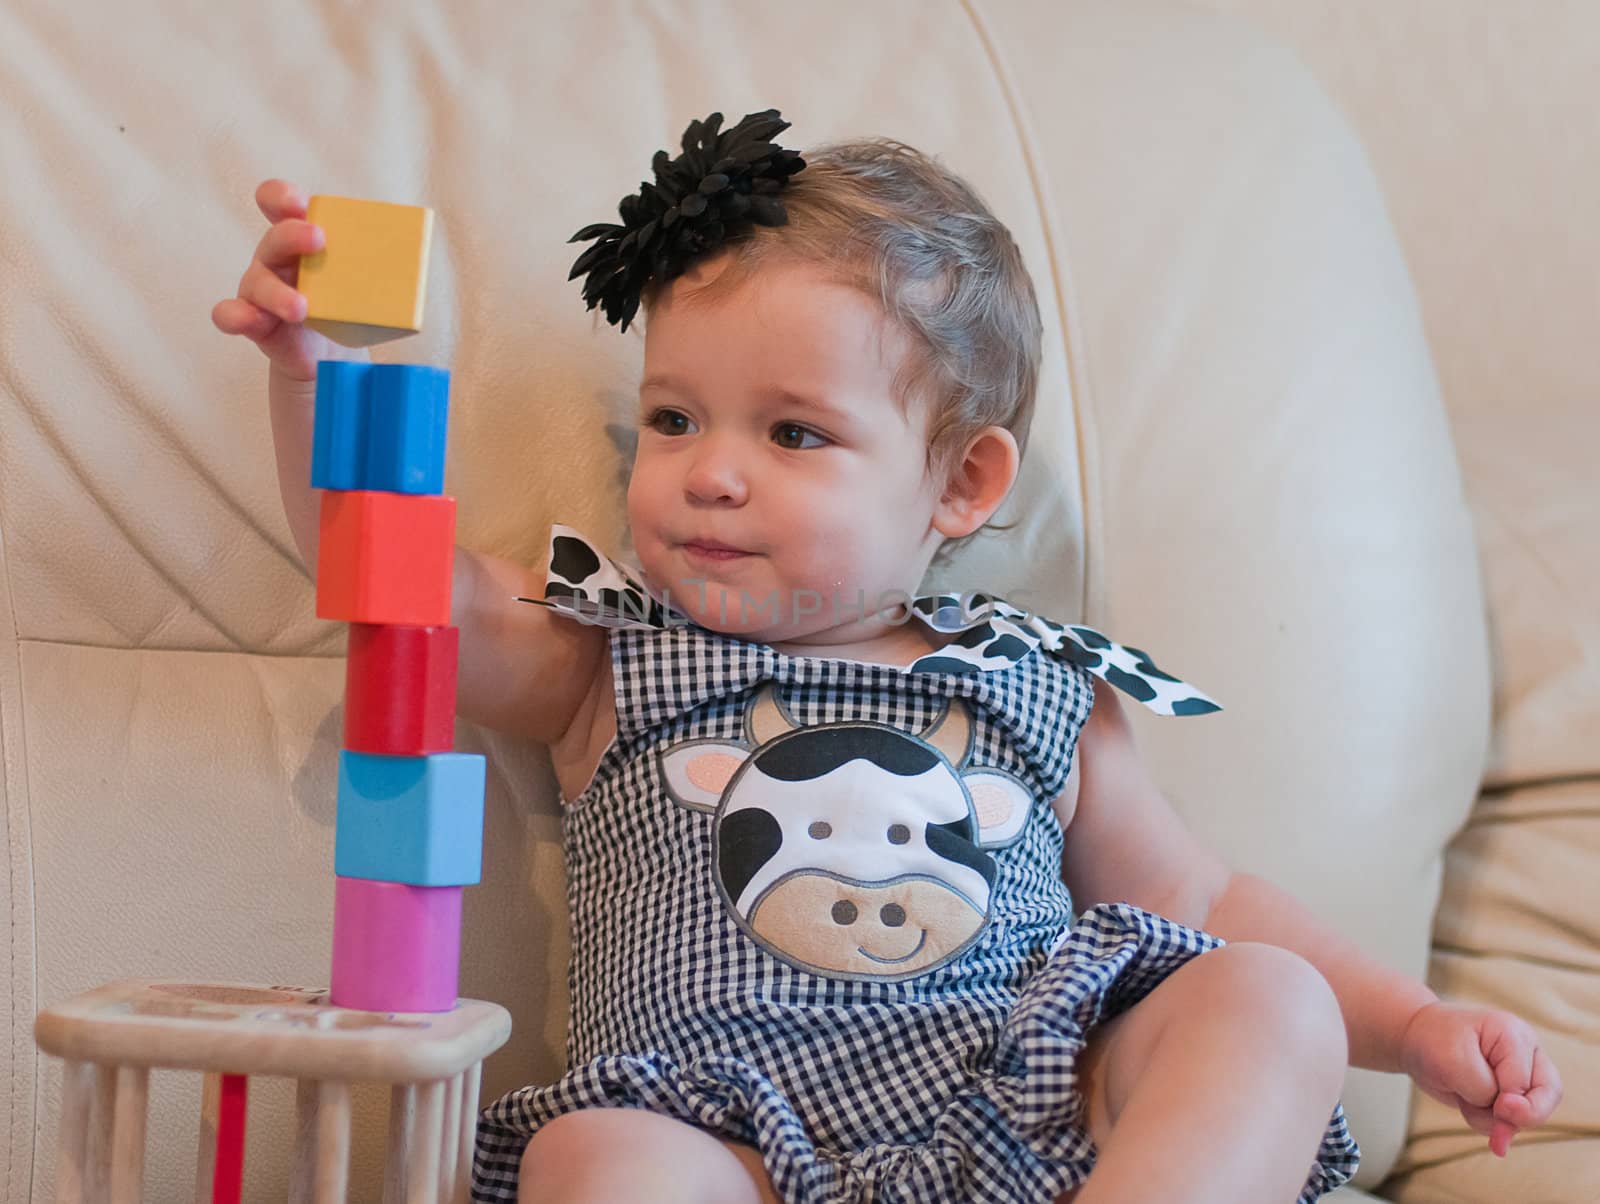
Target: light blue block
(380,426)
(417,820)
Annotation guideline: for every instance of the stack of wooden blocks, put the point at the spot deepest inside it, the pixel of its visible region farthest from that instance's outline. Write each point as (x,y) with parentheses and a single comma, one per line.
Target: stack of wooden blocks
(410,811)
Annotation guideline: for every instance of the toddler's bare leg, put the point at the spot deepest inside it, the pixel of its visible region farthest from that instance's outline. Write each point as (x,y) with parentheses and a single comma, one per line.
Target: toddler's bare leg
(602,1155)
(1217,1086)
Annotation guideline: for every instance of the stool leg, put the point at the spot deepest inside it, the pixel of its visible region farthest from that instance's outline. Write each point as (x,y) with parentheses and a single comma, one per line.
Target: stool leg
(77,1092)
(205,1171)
(422,1169)
(397,1159)
(127,1134)
(468,1123)
(303,1162)
(102,1114)
(333,1141)
(451,1137)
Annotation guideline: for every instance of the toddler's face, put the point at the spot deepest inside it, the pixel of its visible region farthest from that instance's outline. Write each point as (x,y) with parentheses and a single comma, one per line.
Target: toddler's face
(822,502)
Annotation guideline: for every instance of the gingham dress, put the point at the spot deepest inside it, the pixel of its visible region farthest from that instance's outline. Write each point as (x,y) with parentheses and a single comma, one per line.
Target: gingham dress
(751,862)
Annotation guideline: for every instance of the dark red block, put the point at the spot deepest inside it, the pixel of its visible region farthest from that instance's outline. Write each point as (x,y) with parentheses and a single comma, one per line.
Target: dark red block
(227,1173)
(400,689)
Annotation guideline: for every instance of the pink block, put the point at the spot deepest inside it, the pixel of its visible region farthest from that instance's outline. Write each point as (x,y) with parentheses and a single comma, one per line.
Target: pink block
(396,948)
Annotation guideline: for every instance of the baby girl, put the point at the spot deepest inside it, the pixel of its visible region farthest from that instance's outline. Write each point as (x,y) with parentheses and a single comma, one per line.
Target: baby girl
(872,899)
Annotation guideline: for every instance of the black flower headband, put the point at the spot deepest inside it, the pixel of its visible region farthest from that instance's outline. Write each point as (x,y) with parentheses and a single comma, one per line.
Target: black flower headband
(720,183)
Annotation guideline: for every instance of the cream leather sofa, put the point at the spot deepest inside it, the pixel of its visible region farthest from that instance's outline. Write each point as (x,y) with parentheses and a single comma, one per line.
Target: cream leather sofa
(1241,459)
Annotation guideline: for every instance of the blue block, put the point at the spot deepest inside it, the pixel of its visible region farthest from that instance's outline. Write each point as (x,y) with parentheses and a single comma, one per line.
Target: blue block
(380,426)
(417,820)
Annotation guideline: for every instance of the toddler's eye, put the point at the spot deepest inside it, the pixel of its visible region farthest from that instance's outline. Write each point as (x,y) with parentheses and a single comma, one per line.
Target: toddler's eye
(793,430)
(668,422)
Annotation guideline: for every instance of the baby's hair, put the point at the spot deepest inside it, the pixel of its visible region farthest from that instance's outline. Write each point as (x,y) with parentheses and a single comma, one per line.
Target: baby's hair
(892,221)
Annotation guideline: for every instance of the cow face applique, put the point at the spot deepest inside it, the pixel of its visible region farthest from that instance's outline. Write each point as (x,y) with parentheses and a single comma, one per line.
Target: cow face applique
(855,849)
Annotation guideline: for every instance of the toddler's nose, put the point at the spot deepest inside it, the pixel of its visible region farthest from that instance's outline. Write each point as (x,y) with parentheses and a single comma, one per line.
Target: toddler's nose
(716,475)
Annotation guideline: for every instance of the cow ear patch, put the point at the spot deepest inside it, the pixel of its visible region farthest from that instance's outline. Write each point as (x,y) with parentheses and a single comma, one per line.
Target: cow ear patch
(993,803)
(698,771)
(1001,803)
(712,771)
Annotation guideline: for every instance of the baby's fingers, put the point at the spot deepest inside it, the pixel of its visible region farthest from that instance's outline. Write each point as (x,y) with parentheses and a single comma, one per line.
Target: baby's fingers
(1534,1105)
(1500,1138)
(267,290)
(282,245)
(1481,1120)
(1509,1048)
(1484,1122)
(279,199)
(237,316)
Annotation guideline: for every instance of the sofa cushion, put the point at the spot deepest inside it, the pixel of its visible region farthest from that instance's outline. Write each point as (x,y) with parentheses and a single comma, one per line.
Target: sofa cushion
(1519,920)
(1238,458)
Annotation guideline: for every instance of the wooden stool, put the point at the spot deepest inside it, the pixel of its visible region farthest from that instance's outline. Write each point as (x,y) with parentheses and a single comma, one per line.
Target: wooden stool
(110,1037)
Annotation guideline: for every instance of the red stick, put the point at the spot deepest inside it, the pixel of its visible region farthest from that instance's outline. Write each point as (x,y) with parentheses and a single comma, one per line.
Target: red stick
(228,1180)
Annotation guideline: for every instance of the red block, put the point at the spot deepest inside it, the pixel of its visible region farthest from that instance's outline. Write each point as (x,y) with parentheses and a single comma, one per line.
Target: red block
(385,557)
(400,689)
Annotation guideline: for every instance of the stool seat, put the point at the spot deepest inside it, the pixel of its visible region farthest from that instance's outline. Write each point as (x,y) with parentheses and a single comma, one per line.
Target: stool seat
(291,1032)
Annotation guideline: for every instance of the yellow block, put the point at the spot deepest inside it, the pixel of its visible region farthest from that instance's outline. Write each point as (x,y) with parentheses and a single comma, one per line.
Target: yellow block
(370,279)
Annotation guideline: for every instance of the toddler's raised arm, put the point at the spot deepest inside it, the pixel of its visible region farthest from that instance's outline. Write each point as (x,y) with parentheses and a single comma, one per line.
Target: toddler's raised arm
(521,669)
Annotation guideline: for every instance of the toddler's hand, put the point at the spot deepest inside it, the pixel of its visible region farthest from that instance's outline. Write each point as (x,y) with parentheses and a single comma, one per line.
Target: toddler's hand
(269,310)
(1485,1062)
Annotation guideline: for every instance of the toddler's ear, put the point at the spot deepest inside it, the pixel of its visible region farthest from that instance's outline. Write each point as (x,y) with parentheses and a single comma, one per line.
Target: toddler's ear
(978,482)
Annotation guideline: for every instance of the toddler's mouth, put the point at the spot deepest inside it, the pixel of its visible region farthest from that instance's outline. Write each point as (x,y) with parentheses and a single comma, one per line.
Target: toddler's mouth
(710,549)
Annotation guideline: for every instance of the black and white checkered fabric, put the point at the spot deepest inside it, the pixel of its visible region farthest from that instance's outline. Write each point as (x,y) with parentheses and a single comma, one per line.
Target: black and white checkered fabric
(954,1085)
